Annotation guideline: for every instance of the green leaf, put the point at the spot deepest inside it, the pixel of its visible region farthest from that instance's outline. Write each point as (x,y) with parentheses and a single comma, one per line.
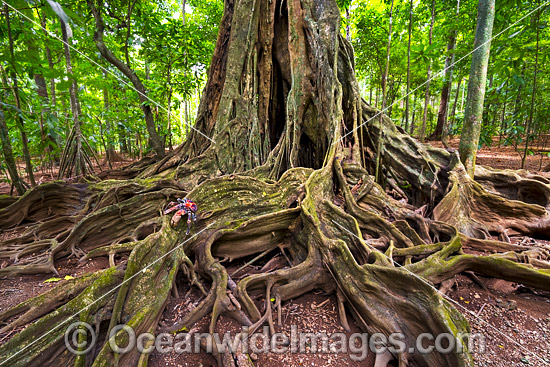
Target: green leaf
(52,280)
(515,34)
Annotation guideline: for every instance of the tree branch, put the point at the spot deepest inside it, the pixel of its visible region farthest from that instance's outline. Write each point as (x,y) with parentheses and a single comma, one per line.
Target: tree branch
(130,74)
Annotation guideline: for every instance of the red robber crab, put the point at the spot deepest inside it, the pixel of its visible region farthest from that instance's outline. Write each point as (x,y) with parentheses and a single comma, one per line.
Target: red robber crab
(182,207)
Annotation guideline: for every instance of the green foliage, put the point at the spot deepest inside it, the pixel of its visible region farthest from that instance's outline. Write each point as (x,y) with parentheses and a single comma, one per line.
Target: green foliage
(511,69)
(172,60)
(176,56)
(344,4)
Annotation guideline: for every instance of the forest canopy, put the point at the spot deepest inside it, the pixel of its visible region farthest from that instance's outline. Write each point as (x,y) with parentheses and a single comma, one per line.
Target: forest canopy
(171,60)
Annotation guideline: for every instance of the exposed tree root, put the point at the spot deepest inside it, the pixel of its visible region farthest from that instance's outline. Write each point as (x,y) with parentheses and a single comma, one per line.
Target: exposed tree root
(247,216)
(7,200)
(42,342)
(479,213)
(515,185)
(48,301)
(43,203)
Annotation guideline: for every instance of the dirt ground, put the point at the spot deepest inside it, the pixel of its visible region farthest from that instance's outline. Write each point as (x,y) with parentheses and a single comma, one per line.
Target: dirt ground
(49,174)
(514,321)
(14,290)
(506,157)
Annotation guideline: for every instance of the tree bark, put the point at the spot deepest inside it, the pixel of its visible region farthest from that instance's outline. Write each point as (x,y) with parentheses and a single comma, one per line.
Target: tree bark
(447,83)
(16,181)
(445,132)
(413,126)
(74,156)
(384,96)
(407,97)
(531,111)
(15,87)
(428,80)
(50,64)
(53,107)
(42,91)
(110,152)
(471,129)
(48,141)
(169,112)
(503,124)
(156,141)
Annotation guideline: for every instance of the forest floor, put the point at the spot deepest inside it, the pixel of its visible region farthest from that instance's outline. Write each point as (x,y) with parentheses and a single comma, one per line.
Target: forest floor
(507,157)
(503,316)
(514,321)
(48,174)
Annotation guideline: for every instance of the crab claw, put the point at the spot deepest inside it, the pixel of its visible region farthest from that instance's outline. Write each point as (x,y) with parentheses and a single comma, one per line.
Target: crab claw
(175,220)
(169,207)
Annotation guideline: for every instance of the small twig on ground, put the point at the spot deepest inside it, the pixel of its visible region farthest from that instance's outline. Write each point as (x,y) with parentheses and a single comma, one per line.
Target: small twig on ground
(250,262)
(481,310)
(314,306)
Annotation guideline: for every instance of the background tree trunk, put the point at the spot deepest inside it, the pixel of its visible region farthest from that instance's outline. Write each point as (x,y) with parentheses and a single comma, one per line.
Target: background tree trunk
(15,88)
(531,110)
(428,80)
(384,96)
(407,96)
(445,132)
(469,139)
(50,65)
(74,156)
(110,153)
(156,141)
(169,112)
(447,83)
(16,181)
(48,142)
(503,122)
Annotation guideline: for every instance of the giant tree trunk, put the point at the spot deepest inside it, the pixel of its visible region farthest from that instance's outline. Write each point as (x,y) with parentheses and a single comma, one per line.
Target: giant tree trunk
(291,170)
